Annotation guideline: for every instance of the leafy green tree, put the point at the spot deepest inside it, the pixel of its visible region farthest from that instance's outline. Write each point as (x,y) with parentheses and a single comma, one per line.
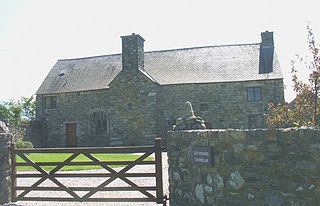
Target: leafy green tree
(304,110)
(5,114)
(18,112)
(29,107)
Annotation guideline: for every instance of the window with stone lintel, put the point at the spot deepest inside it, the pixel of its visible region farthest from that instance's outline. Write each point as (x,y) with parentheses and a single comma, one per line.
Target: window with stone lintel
(50,102)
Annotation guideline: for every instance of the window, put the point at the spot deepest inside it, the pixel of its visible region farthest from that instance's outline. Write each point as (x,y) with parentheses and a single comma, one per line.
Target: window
(99,123)
(168,122)
(254,94)
(255,121)
(50,102)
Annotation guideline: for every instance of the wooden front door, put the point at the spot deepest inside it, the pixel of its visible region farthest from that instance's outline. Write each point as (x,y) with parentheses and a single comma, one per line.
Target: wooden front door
(71,136)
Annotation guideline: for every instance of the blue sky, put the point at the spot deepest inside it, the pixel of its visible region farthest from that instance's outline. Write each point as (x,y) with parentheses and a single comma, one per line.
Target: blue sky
(34,34)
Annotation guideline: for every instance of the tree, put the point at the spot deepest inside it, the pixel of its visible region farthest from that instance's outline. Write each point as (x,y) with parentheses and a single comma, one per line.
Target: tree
(29,107)
(18,112)
(5,114)
(305,108)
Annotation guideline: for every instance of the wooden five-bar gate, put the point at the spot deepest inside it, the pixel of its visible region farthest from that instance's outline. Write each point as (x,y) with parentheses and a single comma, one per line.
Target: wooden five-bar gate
(150,193)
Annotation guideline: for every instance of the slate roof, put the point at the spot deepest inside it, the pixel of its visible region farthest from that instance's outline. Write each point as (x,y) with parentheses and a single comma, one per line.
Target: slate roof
(227,63)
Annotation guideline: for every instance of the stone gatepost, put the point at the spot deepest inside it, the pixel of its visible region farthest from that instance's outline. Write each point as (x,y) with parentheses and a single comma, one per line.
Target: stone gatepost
(5,139)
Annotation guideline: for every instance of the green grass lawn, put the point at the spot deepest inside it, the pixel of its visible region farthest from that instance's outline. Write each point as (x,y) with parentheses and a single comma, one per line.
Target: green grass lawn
(51,157)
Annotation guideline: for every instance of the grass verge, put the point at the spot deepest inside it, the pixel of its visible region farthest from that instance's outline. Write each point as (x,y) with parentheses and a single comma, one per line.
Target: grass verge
(60,157)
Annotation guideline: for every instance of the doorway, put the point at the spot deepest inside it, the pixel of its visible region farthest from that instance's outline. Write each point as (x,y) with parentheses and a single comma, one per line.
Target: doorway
(71,134)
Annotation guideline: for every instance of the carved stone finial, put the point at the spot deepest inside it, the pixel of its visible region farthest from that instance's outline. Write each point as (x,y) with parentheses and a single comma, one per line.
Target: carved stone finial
(190,108)
(189,121)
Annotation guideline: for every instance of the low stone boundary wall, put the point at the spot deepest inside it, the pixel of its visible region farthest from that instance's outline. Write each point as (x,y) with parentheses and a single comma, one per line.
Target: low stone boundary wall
(4,168)
(249,167)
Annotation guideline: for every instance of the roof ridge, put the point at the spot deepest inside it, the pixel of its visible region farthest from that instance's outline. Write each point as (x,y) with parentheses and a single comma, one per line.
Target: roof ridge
(90,57)
(201,47)
(165,50)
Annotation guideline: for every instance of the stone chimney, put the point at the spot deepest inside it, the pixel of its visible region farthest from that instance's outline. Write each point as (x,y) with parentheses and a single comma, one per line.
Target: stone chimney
(132,52)
(266,53)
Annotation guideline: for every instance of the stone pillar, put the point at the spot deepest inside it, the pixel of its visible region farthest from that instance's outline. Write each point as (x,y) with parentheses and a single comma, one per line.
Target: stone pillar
(5,168)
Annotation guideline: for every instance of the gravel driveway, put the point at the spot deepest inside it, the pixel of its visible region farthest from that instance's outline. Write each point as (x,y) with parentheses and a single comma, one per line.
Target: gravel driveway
(147,181)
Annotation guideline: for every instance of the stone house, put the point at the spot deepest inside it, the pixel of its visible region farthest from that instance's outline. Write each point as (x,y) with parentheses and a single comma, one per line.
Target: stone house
(133,97)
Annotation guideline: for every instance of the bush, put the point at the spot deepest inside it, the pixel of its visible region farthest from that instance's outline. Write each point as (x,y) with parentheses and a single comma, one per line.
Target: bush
(24,144)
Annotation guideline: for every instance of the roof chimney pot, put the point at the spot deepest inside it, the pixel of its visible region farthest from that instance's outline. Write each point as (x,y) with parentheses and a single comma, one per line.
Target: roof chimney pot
(266,52)
(132,52)
(267,39)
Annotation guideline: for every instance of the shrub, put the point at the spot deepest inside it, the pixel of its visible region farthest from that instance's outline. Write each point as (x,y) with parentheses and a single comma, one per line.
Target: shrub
(24,144)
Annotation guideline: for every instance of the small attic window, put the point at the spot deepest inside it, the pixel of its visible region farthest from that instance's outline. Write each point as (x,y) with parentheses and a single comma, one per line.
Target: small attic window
(62,73)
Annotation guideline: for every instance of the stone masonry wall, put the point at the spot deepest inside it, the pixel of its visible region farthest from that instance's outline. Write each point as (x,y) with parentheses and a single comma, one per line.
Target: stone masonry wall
(140,110)
(133,102)
(227,102)
(129,104)
(251,167)
(4,168)
(71,107)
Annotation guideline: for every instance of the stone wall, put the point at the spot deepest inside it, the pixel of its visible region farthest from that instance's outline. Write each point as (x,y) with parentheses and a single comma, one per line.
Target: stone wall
(34,133)
(4,168)
(133,102)
(140,110)
(251,167)
(129,105)
(71,107)
(227,102)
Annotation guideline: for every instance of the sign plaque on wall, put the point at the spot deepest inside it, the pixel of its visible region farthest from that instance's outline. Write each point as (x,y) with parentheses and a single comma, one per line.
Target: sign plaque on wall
(203,156)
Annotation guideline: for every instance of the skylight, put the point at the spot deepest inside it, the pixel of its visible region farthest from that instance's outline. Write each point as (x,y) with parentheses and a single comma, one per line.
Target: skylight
(62,72)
